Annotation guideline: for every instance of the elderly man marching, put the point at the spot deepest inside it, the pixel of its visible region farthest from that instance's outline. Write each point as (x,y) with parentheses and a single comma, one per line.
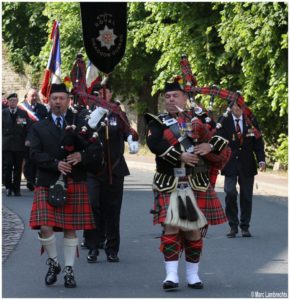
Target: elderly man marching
(184,201)
(62,156)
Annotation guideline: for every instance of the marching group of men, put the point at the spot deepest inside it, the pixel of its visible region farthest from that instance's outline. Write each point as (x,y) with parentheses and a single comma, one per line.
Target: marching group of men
(85,150)
(16,122)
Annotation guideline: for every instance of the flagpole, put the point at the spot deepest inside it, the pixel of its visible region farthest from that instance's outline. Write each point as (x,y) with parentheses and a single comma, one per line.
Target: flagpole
(53,69)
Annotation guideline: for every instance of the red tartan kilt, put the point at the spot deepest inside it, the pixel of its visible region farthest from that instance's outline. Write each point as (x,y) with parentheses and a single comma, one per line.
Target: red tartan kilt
(208,202)
(75,215)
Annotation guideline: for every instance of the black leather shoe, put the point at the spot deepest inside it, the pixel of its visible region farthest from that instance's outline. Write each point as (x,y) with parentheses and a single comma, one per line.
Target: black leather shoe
(69,278)
(84,245)
(53,270)
(92,256)
(197,285)
(170,285)
(30,186)
(17,194)
(112,257)
(246,233)
(8,193)
(232,233)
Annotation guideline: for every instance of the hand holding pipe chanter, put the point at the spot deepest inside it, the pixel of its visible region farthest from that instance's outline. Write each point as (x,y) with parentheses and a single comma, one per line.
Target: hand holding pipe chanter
(191,157)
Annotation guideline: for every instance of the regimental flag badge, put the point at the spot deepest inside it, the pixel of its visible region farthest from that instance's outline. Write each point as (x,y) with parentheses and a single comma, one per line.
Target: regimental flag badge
(104,33)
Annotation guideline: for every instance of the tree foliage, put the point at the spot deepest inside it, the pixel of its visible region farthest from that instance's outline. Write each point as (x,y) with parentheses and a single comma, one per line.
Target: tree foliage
(70,34)
(23,31)
(236,45)
(239,46)
(256,33)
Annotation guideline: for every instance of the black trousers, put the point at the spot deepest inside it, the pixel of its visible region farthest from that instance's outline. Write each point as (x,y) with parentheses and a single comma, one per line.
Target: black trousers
(29,169)
(106,201)
(12,167)
(246,195)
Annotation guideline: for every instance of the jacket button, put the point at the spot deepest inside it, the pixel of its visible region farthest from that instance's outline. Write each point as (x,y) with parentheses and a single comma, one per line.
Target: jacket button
(237,157)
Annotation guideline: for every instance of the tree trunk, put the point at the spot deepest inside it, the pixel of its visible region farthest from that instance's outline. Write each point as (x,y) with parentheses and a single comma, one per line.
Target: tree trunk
(150,104)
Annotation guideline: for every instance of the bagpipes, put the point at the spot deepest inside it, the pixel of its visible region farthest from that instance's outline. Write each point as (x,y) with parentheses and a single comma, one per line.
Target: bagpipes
(104,34)
(191,88)
(82,99)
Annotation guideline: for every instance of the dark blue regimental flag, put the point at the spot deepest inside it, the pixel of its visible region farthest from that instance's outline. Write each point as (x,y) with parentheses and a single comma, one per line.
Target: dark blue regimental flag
(104,33)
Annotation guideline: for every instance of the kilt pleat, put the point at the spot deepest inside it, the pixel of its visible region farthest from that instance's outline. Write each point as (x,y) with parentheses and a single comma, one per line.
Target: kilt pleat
(208,202)
(211,206)
(75,215)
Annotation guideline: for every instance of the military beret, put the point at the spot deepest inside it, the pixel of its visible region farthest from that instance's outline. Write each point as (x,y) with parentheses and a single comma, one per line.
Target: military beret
(13,95)
(98,86)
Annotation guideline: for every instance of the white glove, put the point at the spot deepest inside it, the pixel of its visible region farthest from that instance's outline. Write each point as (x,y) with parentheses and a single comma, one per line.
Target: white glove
(96,116)
(133,146)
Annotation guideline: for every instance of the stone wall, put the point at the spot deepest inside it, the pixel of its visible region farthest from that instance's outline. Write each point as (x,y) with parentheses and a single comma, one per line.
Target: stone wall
(12,82)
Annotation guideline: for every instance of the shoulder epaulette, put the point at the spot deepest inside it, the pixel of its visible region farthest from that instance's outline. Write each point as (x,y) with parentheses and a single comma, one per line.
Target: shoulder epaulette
(148,117)
(218,143)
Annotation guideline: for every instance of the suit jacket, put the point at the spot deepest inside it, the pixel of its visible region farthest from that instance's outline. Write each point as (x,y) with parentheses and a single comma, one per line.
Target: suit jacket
(14,130)
(47,149)
(39,109)
(244,157)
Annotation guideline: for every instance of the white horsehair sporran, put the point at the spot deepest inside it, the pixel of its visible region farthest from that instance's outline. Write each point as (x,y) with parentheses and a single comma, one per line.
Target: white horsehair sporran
(183,197)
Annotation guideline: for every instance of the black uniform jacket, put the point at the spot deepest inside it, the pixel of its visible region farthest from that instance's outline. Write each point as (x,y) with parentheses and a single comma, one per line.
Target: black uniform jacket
(167,156)
(243,156)
(14,131)
(47,150)
(168,153)
(114,147)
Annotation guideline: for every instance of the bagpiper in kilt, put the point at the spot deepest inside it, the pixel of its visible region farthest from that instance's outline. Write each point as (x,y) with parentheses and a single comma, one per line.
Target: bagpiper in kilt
(184,200)
(60,150)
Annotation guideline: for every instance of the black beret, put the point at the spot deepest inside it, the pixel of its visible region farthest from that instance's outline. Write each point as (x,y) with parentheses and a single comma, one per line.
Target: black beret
(97,87)
(172,86)
(13,95)
(58,88)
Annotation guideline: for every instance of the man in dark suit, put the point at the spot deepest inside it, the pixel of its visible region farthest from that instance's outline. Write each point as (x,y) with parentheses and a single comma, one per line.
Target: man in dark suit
(241,168)
(106,187)
(36,112)
(15,126)
(58,149)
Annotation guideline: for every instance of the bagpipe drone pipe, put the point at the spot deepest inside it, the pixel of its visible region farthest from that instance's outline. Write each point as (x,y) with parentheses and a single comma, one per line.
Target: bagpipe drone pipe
(104,27)
(191,88)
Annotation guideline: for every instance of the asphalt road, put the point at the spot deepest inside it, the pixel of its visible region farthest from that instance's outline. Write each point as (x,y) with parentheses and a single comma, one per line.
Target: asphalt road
(230,268)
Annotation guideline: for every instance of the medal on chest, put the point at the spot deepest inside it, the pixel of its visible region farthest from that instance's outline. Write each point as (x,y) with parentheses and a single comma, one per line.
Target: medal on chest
(21,121)
(113,121)
(185,128)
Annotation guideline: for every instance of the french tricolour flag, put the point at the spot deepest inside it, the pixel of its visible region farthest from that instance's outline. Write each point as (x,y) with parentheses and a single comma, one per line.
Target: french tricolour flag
(53,70)
(92,77)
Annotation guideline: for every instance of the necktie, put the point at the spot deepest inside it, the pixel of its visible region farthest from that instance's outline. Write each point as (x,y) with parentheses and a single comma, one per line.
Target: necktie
(239,132)
(13,114)
(58,122)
